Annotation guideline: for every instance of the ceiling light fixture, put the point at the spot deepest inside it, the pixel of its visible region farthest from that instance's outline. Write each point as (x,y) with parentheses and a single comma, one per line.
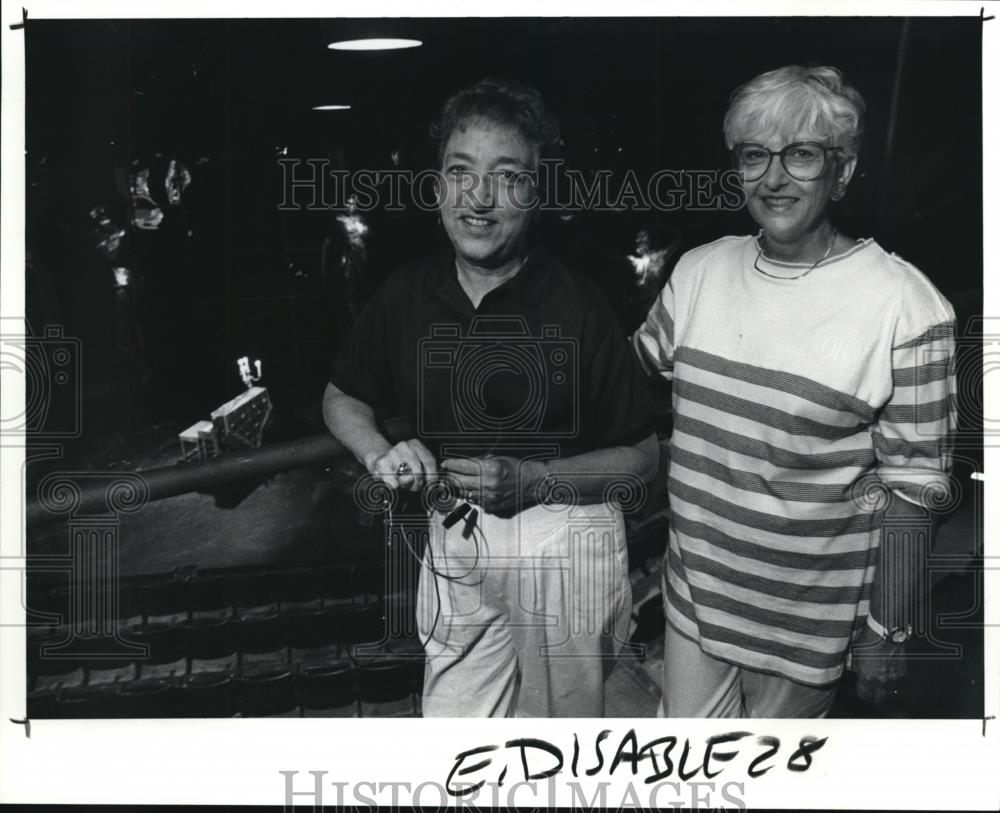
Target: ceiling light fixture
(374,44)
(332,107)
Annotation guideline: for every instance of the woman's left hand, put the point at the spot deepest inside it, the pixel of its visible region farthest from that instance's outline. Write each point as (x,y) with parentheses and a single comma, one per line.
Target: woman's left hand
(880,667)
(501,485)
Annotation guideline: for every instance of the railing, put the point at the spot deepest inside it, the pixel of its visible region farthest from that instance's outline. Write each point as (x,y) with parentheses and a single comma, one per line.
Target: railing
(91,490)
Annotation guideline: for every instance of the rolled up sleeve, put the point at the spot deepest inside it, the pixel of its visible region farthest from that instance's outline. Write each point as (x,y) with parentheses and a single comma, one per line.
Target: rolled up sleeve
(914,435)
(653,342)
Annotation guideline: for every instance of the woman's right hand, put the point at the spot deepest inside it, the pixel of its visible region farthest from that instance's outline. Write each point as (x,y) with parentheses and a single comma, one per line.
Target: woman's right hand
(407,466)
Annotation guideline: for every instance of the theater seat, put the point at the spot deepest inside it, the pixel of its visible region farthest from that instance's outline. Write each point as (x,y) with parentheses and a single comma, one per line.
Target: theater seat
(265,693)
(151,599)
(163,640)
(204,594)
(149,699)
(383,680)
(310,629)
(49,664)
(208,694)
(258,632)
(87,703)
(42,706)
(115,655)
(362,622)
(256,589)
(410,650)
(327,687)
(207,637)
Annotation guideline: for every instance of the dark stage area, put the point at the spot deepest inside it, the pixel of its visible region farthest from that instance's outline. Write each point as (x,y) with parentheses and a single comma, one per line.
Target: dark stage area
(172,228)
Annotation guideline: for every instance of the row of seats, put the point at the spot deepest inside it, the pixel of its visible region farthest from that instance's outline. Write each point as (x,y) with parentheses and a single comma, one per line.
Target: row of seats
(209,637)
(249,694)
(235,590)
(203,644)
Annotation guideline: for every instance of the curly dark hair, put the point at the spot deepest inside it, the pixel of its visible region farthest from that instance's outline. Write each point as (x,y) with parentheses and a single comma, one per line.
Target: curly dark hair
(499,101)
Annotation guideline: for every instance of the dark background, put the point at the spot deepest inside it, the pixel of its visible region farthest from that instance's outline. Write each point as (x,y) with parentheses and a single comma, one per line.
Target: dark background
(228,274)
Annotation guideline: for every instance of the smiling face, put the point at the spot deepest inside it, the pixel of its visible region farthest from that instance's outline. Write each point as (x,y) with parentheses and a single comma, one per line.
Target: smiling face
(795,214)
(488,198)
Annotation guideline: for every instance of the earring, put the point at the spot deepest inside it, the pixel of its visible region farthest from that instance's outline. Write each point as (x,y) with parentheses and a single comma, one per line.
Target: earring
(838,192)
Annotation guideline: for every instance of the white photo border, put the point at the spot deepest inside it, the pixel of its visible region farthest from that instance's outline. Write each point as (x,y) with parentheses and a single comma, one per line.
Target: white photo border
(877,764)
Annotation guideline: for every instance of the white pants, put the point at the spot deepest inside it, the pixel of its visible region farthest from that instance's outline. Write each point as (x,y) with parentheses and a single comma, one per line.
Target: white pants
(696,684)
(525,616)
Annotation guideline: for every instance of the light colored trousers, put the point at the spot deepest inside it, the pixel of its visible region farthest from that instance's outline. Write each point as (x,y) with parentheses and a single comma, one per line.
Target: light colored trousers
(525,616)
(696,684)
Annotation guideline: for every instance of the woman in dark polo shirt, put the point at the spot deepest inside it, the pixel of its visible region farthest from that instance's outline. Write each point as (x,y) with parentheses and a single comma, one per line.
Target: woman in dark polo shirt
(528,405)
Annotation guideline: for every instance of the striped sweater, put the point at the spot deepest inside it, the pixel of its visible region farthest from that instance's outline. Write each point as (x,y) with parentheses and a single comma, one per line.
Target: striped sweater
(795,401)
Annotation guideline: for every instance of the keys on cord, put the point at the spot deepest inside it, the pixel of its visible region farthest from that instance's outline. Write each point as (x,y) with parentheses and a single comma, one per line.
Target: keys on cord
(456,514)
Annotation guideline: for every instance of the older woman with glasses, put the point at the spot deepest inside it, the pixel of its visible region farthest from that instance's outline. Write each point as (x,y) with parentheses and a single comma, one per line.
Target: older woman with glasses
(813,395)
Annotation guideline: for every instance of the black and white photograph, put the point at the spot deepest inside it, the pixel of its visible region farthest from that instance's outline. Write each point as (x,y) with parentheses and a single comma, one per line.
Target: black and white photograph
(488,411)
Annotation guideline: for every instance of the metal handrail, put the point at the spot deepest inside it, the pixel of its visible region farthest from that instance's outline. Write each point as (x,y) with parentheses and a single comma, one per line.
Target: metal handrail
(213,473)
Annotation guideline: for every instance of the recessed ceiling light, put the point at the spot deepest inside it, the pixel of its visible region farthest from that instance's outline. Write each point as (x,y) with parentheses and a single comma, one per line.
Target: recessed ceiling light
(374,44)
(332,107)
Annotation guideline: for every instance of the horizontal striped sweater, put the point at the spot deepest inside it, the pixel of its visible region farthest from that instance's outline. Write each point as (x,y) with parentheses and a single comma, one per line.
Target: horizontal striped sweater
(795,400)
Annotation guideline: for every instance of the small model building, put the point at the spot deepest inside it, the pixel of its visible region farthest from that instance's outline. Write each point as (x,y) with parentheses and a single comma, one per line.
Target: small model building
(198,441)
(237,424)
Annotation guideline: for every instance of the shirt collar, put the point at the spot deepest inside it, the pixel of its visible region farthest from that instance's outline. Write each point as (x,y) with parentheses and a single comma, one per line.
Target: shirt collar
(525,286)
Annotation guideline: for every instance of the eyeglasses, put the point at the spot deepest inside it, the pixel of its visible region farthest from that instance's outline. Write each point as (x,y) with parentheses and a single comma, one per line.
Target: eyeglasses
(803,160)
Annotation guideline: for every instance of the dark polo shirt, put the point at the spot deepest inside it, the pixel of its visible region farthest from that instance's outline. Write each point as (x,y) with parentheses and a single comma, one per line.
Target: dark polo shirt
(540,368)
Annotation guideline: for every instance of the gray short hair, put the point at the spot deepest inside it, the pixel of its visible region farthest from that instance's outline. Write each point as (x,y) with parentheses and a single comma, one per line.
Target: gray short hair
(815,98)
